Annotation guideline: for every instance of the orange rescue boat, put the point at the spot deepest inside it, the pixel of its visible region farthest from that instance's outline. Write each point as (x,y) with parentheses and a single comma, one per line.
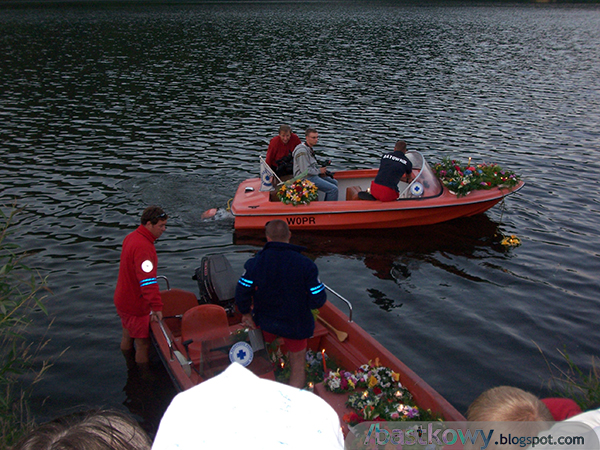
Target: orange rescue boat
(423,201)
(197,340)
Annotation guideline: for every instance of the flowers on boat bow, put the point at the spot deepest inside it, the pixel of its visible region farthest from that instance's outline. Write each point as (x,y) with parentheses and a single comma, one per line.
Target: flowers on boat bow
(461,179)
(376,393)
(297,192)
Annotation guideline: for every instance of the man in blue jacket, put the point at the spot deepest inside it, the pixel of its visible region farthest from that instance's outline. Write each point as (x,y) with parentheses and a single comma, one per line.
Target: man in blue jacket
(277,293)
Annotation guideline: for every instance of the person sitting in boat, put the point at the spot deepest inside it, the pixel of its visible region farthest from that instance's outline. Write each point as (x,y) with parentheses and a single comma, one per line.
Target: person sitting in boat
(305,161)
(277,292)
(392,168)
(279,153)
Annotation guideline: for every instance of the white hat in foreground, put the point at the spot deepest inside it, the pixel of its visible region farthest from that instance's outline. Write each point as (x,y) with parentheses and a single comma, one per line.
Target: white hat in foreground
(237,409)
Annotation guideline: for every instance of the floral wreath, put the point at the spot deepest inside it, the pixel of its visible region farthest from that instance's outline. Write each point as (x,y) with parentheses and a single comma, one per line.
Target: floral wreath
(461,179)
(298,192)
(375,391)
(376,394)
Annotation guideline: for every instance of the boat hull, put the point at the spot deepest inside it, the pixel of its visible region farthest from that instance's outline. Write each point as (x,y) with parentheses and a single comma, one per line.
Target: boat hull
(252,208)
(357,349)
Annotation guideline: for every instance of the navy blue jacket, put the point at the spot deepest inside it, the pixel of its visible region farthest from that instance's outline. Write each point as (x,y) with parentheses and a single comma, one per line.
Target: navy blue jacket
(283,286)
(391,168)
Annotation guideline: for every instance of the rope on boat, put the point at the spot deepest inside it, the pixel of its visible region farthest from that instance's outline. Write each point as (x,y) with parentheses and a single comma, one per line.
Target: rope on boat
(229,204)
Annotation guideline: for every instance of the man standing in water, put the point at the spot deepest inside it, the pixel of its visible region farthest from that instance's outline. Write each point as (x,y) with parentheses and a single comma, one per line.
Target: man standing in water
(277,293)
(137,296)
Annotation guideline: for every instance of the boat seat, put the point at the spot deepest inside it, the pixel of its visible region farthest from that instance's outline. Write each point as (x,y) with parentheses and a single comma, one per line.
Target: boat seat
(352,192)
(175,303)
(201,323)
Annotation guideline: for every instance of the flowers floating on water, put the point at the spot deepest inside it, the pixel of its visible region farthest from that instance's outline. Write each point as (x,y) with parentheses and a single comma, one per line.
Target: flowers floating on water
(511,241)
(461,179)
(383,398)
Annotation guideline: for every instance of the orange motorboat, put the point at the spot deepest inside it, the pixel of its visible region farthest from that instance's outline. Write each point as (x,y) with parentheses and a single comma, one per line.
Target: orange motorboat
(423,201)
(198,339)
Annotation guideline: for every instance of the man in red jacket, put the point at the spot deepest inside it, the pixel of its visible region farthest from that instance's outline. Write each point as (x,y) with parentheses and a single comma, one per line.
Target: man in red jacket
(137,296)
(280,151)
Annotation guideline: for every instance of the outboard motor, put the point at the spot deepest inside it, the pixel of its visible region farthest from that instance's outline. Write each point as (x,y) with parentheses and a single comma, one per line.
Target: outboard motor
(217,282)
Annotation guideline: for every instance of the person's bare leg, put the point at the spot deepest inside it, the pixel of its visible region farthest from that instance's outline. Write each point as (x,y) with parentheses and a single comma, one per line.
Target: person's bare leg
(298,369)
(142,350)
(128,349)
(126,342)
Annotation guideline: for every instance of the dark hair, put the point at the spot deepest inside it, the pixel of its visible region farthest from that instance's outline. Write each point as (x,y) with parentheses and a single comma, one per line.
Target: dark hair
(277,230)
(91,430)
(153,214)
(400,146)
(310,130)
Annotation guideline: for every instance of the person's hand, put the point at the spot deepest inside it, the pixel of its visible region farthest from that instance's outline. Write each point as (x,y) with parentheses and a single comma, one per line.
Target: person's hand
(248,322)
(323,170)
(156,316)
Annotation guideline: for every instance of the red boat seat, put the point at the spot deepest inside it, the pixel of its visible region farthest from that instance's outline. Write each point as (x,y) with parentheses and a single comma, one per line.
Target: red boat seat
(352,193)
(203,322)
(175,303)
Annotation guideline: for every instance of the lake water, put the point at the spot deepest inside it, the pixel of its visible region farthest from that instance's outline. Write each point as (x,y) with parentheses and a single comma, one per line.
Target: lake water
(108,108)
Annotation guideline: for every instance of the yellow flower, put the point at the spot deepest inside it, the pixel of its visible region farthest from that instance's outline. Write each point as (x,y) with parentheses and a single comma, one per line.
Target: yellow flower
(372,381)
(396,376)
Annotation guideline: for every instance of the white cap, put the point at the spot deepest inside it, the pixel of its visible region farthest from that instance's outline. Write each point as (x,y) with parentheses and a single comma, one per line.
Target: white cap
(237,409)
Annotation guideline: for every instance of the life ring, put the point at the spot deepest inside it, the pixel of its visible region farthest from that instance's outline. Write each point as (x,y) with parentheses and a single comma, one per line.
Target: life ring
(417,189)
(241,352)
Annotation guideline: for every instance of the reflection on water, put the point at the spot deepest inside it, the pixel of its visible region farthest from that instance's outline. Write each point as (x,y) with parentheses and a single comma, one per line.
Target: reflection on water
(149,395)
(108,108)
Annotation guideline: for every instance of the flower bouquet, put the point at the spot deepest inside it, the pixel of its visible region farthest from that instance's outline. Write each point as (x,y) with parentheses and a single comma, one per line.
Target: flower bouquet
(376,394)
(461,179)
(298,192)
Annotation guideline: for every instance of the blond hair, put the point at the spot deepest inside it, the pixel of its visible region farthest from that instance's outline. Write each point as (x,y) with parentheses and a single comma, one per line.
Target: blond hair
(508,404)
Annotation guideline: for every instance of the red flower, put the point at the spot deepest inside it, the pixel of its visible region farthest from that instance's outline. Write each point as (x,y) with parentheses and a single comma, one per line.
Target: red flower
(352,418)
(376,390)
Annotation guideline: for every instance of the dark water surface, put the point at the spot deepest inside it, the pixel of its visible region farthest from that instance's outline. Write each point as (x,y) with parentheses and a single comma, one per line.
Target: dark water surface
(105,110)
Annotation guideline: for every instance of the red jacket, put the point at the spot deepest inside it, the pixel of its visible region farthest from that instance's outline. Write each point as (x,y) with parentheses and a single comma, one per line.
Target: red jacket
(137,290)
(278,149)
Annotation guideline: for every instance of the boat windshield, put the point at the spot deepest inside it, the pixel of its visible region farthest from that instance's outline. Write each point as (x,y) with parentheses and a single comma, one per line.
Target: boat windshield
(244,346)
(425,184)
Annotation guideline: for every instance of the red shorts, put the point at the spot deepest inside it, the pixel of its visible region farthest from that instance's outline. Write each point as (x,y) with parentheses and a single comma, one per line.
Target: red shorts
(137,326)
(293,345)
(383,193)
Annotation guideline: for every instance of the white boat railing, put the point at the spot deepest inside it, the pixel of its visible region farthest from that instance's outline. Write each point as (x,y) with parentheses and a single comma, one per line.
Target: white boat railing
(345,301)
